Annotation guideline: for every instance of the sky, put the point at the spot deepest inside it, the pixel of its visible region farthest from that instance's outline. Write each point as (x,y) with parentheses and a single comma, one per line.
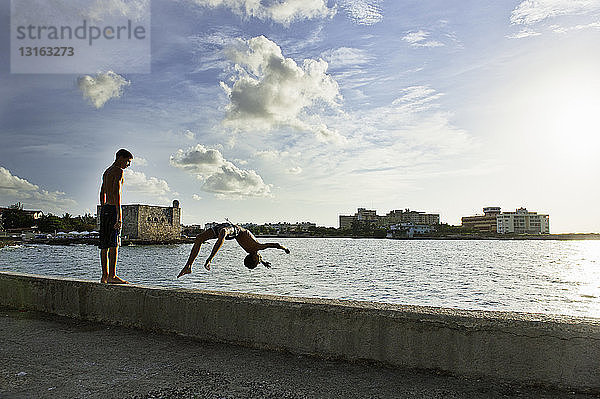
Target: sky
(302,110)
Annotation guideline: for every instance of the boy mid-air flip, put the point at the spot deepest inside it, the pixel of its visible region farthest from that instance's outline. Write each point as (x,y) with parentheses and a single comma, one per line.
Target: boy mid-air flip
(229,231)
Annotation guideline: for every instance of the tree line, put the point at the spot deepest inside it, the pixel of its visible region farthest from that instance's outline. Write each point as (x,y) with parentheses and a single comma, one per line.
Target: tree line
(15,218)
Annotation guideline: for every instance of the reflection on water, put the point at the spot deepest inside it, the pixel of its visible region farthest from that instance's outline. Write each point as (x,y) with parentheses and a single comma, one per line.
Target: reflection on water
(560,277)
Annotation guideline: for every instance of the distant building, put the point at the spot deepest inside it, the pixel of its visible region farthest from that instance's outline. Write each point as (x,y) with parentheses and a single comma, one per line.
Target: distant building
(394,217)
(362,215)
(519,222)
(35,215)
(148,222)
(408,216)
(346,222)
(523,222)
(288,228)
(485,223)
(409,230)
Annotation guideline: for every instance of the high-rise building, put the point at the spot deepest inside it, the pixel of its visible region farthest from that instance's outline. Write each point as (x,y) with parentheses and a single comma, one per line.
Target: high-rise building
(408,216)
(523,222)
(362,215)
(519,222)
(486,223)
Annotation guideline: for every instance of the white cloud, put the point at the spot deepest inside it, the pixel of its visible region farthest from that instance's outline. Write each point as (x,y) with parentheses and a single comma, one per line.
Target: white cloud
(102,88)
(180,136)
(139,161)
(271,155)
(138,182)
(363,12)
(412,133)
(593,25)
(416,119)
(389,149)
(132,9)
(75,10)
(189,135)
(196,197)
(346,56)
(283,12)
(14,188)
(532,11)
(198,160)
(208,48)
(270,91)
(9,183)
(419,39)
(218,175)
(294,171)
(234,182)
(523,33)
(417,99)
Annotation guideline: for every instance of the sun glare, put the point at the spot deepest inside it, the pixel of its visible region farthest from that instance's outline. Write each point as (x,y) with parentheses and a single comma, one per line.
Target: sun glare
(577,123)
(569,116)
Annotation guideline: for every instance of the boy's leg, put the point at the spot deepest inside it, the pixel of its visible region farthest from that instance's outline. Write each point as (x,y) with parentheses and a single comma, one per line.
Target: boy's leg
(112,266)
(200,239)
(104,263)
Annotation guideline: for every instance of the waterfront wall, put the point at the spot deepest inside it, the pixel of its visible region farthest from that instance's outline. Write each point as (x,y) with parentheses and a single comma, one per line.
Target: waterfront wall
(550,350)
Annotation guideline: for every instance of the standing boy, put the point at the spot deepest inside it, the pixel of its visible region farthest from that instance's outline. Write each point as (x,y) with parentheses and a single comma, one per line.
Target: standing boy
(111,217)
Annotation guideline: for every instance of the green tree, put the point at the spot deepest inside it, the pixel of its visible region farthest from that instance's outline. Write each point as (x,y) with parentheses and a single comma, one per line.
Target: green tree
(362,228)
(50,223)
(15,218)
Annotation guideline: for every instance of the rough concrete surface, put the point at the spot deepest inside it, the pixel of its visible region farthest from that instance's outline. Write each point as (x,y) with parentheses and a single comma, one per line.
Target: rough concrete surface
(50,356)
(556,351)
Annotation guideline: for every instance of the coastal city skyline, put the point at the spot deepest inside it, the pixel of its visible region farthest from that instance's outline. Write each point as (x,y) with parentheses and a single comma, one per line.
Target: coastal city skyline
(493,220)
(291,111)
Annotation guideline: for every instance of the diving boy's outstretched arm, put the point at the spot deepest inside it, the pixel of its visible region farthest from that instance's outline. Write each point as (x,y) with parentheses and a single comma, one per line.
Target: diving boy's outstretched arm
(216,248)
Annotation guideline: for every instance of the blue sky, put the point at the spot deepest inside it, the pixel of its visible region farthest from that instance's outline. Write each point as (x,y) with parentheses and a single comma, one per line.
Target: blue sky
(303,110)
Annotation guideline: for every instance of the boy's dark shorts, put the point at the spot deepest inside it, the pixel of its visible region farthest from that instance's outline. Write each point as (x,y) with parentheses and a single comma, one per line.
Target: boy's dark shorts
(109,236)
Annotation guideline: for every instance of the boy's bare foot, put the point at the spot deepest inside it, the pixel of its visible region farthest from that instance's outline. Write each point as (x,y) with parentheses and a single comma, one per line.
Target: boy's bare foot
(104,279)
(187,269)
(116,280)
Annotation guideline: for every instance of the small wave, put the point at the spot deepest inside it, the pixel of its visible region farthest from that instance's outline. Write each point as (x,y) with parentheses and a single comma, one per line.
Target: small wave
(13,246)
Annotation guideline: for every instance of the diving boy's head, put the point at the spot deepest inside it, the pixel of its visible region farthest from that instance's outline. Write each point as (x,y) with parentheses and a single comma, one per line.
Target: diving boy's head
(252,260)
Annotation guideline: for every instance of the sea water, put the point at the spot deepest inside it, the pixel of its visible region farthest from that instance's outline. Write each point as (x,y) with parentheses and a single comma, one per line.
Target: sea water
(559,277)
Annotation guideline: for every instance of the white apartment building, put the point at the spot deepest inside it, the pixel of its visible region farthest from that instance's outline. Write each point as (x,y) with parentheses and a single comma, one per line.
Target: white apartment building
(523,222)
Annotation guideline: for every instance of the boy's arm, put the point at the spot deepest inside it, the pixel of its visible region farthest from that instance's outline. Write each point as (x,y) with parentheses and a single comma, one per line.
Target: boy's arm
(216,248)
(102,194)
(119,212)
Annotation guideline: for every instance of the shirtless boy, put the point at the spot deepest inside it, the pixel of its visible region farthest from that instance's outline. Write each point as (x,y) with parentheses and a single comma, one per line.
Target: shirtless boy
(229,231)
(111,217)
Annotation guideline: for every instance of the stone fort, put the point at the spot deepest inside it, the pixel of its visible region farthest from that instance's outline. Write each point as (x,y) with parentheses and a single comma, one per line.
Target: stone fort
(148,222)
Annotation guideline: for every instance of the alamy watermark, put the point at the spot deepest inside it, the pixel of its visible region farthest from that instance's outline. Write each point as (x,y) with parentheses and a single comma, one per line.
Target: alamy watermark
(85,36)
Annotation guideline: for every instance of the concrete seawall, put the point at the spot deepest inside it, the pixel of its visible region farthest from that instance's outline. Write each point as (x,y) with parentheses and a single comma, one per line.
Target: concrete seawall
(551,350)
